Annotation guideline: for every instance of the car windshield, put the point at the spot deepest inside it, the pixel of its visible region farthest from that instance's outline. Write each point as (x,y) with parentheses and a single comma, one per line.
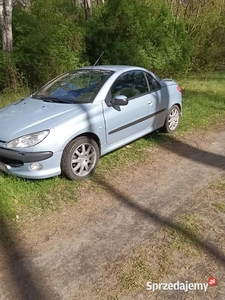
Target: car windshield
(79,86)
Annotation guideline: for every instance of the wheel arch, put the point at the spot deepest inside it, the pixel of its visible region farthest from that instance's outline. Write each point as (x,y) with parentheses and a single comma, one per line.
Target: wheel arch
(177,104)
(90,135)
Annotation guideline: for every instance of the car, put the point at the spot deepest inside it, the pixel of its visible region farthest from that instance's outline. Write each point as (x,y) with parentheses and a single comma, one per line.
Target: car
(79,116)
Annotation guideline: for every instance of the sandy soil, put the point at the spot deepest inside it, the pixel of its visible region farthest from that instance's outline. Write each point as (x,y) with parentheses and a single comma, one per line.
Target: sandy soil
(76,253)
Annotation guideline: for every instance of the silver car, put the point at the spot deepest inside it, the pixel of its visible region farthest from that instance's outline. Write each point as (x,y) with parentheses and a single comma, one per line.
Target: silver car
(81,115)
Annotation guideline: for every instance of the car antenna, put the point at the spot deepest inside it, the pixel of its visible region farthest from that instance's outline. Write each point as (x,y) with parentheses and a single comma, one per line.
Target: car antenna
(98,59)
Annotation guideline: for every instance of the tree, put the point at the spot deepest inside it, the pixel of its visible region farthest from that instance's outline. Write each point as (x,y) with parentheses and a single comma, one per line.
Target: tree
(6,8)
(88,9)
(138,32)
(48,40)
(204,21)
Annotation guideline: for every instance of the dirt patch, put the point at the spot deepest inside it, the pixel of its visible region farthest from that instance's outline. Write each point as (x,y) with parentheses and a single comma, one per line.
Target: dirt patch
(183,252)
(161,209)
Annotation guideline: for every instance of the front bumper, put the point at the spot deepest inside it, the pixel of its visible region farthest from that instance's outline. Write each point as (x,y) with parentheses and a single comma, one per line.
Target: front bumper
(9,156)
(19,163)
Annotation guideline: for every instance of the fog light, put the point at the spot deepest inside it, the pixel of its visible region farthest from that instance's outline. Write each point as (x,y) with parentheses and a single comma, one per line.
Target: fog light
(36,167)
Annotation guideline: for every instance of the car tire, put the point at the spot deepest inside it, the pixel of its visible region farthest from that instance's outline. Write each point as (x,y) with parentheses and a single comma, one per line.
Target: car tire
(80,158)
(172,119)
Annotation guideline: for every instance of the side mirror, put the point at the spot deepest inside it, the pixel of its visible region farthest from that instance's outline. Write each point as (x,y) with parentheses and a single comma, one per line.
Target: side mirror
(120,100)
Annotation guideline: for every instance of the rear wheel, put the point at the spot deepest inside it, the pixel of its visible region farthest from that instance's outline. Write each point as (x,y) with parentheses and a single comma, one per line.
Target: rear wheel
(80,158)
(172,120)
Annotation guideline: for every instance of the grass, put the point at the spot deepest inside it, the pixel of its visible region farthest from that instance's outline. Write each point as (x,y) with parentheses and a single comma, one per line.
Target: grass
(159,259)
(203,104)
(154,262)
(136,271)
(170,255)
(219,188)
(179,241)
(203,100)
(19,195)
(6,98)
(220,185)
(220,206)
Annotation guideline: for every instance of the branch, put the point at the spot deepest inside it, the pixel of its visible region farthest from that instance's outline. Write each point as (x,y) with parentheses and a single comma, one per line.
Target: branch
(23,2)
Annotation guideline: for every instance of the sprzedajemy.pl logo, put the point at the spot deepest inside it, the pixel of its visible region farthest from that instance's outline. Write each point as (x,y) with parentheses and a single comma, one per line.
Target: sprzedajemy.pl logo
(181,286)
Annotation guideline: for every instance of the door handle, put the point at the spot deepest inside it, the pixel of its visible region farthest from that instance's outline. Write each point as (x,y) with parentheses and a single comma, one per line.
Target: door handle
(149,102)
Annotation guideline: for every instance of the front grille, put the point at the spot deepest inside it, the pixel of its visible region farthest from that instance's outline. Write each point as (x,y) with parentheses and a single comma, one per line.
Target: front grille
(11,162)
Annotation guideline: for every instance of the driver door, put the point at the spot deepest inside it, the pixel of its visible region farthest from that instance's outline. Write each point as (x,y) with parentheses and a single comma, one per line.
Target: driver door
(124,122)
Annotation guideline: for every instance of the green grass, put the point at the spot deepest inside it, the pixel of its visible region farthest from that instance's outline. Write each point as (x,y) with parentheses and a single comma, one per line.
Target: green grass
(179,241)
(6,99)
(19,195)
(203,104)
(136,273)
(220,206)
(219,189)
(220,185)
(203,100)
(137,150)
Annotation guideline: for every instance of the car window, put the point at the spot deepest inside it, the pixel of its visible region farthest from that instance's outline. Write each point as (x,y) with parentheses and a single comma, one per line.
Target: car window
(130,84)
(153,83)
(79,86)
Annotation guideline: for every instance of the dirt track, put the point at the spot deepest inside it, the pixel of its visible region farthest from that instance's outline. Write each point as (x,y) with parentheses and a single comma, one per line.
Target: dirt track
(70,254)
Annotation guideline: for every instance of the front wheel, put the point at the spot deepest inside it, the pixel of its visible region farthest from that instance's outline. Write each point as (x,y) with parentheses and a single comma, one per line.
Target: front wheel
(172,120)
(80,158)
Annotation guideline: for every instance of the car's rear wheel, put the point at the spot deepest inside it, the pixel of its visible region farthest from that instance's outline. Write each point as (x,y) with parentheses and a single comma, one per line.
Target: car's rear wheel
(173,119)
(80,158)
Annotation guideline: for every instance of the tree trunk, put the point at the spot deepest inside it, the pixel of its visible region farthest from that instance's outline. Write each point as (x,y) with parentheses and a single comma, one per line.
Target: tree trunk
(88,9)
(6,7)
(6,25)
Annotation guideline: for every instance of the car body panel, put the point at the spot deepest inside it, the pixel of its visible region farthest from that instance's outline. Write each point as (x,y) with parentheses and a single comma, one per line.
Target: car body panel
(32,115)
(112,126)
(90,120)
(123,121)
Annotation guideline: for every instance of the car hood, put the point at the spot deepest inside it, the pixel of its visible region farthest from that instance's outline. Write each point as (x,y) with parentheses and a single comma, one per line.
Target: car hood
(32,115)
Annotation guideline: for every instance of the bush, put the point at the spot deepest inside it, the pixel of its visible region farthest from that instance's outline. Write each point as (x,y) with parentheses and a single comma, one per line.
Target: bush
(47,40)
(138,32)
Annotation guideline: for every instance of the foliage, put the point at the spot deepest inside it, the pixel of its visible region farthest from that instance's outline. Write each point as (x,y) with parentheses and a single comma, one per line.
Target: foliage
(48,40)
(166,36)
(138,32)
(205,24)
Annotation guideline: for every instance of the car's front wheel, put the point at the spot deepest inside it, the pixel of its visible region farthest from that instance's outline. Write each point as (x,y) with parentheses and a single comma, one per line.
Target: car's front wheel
(80,158)
(172,120)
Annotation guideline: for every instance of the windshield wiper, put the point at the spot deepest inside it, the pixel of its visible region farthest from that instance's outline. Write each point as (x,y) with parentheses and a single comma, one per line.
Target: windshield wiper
(50,99)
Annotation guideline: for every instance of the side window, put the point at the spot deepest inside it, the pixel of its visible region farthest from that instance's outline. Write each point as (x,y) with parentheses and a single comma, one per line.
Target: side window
(130,84)
(153,83)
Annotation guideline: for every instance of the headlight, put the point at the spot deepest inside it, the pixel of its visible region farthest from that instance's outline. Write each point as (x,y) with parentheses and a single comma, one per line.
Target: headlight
(28,140)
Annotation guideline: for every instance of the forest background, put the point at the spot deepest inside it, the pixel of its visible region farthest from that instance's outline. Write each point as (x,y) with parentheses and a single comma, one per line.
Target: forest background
(43,38)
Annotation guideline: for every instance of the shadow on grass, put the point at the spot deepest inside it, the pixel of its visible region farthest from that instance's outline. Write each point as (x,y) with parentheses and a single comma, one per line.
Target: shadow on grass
(187,151)
(121,197)
(24,281)
(23,277)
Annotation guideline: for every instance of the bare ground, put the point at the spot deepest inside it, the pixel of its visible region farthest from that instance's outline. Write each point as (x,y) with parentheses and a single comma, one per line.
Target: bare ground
(159,220)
